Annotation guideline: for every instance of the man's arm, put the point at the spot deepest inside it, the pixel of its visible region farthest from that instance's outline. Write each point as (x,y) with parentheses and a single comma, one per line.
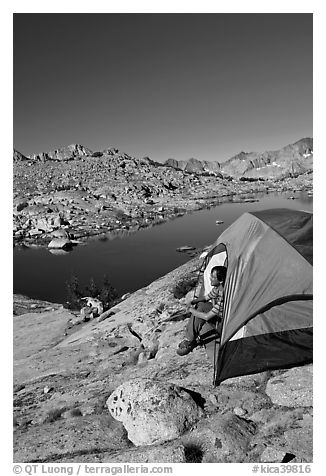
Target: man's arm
(199,299)
(206,316)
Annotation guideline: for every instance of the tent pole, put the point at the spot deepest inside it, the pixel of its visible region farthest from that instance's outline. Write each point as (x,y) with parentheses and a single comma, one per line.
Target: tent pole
(214,371)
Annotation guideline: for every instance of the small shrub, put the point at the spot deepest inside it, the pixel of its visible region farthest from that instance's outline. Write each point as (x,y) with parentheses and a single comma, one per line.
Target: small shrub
(91,289)
(76,412)
(193,453)
(54,415)
(120,214)
(107,294)
(73,293)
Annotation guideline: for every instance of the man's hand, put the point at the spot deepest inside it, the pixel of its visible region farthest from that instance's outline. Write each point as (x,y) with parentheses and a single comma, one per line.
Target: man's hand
(192,311)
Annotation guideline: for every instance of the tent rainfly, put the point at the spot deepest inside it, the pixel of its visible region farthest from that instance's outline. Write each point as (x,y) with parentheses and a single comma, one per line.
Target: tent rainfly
(268,293)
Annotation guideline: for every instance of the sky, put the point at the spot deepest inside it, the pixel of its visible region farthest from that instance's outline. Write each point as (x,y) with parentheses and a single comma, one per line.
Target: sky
(162,85)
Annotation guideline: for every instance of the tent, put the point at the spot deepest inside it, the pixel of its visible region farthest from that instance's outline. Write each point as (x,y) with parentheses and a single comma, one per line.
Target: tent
(268,293)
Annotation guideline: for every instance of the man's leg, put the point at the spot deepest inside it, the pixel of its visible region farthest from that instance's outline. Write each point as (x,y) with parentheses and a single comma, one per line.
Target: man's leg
(193,329)
(195,324)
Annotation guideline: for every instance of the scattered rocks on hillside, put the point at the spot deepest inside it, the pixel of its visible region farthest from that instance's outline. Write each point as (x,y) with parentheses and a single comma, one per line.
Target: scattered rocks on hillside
(101,192)
(153,411)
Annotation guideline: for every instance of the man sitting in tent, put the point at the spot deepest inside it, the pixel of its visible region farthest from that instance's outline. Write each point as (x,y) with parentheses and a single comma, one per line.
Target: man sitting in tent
(210,310)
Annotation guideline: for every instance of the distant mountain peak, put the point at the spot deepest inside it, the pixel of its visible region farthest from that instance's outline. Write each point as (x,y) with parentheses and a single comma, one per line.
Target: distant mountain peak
(268,164)
(68,152)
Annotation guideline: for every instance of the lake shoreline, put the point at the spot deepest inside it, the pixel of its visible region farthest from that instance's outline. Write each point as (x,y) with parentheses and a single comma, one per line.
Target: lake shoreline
(43,273)
(158,213)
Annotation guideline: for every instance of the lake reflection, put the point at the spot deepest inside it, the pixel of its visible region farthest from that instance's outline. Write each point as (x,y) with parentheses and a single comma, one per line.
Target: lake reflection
(133,261)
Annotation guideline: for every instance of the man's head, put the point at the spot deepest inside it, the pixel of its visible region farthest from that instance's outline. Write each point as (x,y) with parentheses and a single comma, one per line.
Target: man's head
(218,275)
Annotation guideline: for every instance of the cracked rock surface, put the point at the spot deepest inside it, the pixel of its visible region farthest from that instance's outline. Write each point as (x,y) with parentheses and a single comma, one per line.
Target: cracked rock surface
(62,383)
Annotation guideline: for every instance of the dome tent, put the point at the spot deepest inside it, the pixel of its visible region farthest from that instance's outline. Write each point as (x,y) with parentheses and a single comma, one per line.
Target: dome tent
(268,293)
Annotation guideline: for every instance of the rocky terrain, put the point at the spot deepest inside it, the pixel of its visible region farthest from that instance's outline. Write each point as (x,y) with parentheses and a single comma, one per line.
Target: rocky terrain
(114,390)
(72,193)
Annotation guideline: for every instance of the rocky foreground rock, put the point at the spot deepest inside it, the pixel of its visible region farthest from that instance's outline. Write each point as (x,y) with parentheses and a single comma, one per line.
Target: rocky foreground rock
(153,411)
(85,193)
(70,380)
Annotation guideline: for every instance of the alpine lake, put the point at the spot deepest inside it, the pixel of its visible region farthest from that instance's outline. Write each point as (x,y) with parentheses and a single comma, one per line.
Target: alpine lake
(132,261)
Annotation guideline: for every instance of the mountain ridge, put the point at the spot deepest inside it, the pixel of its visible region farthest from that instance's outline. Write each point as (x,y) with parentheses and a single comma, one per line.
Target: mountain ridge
(292,159)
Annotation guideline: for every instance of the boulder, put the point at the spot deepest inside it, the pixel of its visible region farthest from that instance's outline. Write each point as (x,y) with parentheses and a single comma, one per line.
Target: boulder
(299,442)
(125,296)
(76,320)
(153,411)
(43,224)
(95,304)
(185,248)
(61,233)
(58,220)
(239,411)
(60,243)
(272,455)
(35,232)
(219,438)
(292,388)
(86,313)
